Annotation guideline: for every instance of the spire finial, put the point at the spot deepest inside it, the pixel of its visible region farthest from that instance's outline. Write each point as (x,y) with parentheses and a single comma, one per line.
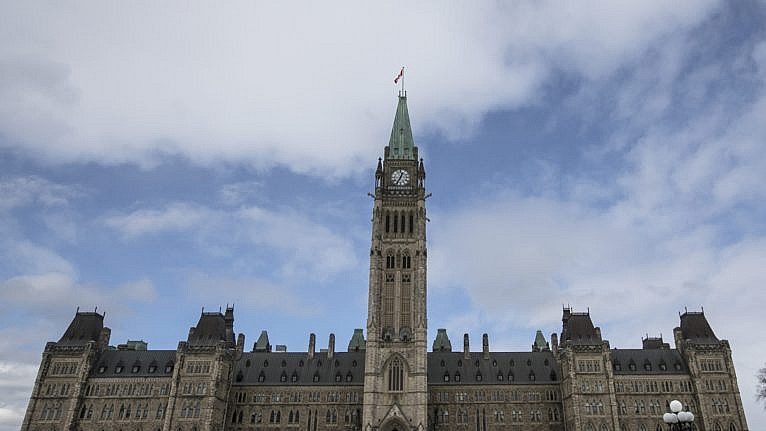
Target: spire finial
(400,77)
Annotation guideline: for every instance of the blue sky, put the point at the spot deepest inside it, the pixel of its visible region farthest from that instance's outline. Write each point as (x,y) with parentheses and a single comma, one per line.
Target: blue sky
(158,159)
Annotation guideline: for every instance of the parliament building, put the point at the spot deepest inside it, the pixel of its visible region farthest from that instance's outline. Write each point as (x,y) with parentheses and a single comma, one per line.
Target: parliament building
(386,378)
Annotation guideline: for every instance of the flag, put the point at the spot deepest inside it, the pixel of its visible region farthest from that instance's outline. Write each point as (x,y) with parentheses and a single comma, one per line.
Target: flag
(399,76)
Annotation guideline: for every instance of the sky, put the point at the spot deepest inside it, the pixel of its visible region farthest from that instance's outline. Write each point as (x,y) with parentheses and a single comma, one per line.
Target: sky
(156,159)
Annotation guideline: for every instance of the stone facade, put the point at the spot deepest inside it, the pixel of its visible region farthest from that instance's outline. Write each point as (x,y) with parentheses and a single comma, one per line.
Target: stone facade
(388,381)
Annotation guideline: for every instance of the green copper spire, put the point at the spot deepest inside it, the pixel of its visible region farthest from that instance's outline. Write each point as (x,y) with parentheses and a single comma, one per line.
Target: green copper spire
(263,345)
(401,145)
(540,343)
(442,343)
(357,342)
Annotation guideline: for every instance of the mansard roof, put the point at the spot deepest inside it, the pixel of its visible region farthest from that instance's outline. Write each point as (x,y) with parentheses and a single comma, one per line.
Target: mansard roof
(654,358)
(273,365)
(695,327)
(85,327)
(578,328)
(210,329)
(107,363)
(524,367)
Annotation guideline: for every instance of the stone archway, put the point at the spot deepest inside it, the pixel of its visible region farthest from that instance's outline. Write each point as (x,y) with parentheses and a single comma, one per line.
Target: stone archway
(394,424)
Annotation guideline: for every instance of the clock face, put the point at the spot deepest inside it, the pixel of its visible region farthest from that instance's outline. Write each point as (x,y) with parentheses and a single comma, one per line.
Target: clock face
(400,177)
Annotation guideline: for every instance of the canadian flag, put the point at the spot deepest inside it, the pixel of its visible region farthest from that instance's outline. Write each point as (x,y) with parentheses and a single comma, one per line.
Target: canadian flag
(399,76)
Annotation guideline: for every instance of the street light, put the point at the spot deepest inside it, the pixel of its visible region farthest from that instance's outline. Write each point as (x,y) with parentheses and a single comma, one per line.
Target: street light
(678,420)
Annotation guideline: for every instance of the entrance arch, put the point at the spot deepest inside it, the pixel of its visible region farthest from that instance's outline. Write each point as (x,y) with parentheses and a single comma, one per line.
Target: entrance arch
(394,424)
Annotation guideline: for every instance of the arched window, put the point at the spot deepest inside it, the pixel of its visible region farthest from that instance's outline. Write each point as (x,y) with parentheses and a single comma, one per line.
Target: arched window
(388,221)
(396,222)
(411,221)
(396,375)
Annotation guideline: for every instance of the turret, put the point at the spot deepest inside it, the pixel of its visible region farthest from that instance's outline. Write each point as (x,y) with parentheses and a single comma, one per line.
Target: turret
(485,345)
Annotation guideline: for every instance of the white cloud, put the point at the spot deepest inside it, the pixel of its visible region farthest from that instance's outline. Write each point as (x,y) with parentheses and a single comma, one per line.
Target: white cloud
(177,217)
(33,190)
(306,86)
(302,245)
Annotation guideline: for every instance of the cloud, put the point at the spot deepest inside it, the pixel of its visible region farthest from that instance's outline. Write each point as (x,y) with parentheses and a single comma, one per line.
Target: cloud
(302,245)
(262,84)
(22,191)
(16,385)
(177,217)
(252,292)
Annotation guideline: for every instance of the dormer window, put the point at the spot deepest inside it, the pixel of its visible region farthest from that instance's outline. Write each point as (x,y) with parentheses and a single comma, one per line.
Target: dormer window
(118,369)
(647,366)
(135,369)
(617,366)
(283,377)
(663,366)
(152,369)
(261,377)
(168,368)
(457,376)
(294,377)
(102,369)
(500,376)
(338,378)
(678,366)
(316,377)
(349,377)
(478,377)
(446,377)
(632,366)
(532,377)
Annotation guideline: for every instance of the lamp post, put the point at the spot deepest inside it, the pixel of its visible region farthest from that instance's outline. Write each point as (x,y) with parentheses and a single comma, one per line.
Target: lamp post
(678,420)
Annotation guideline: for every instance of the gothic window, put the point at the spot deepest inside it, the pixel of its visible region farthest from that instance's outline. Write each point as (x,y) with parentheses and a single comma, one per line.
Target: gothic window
(390,260)
(401,226)
(396,375)
(388,221)
(411,221)
(396,222)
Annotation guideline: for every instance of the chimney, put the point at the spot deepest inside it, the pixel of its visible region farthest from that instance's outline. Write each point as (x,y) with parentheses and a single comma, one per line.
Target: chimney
(104,336)
(466,347)
(312,345)
(554,343)
(331,347)
(485,345)
(228,319)
(598,332)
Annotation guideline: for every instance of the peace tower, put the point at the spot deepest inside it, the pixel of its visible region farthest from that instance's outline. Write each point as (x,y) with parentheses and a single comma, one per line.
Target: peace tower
(395,386)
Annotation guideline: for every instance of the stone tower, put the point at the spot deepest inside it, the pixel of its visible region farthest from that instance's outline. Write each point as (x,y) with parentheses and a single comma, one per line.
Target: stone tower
(395,387)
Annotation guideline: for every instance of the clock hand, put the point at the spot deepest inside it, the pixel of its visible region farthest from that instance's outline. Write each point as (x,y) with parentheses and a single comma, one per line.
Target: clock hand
(398,180)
